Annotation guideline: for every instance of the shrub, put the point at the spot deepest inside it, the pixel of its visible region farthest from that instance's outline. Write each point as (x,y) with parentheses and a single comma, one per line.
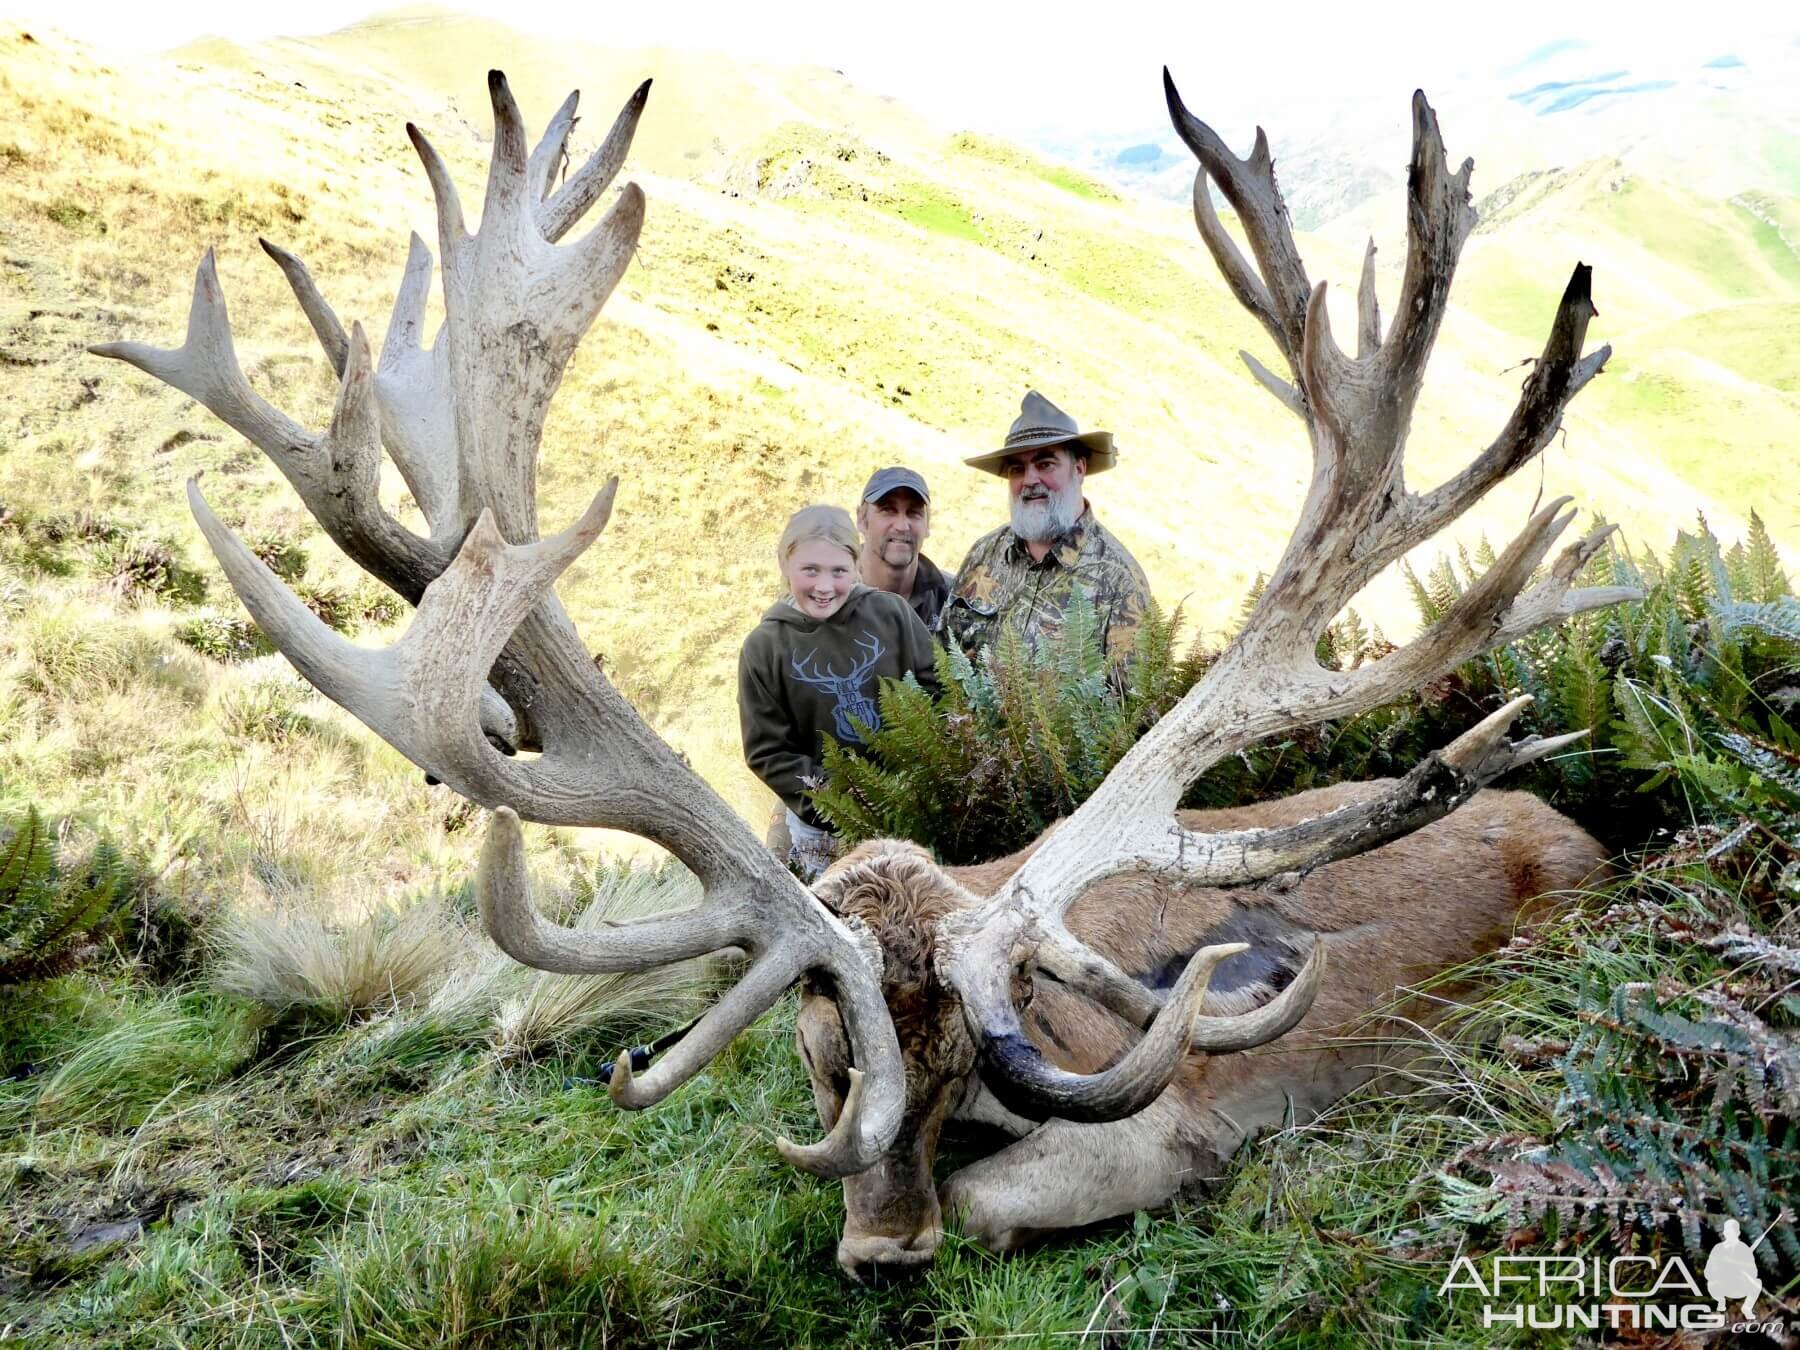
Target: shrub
(224,637)
(376,605)
(1679,1068)
(51,917)
(285,557)
(1019,737)
(267,710)
(150,568)
(73,216)
(334,606)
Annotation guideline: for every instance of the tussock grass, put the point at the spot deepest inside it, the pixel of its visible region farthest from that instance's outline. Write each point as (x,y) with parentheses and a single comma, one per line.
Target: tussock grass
(269,709)
(156,1047)
(78,651)
(484,1273)
(297,958)
(488,998)
(537,1010)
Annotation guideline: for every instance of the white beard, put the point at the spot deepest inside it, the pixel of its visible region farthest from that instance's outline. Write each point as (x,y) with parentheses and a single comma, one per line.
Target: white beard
(1048,518)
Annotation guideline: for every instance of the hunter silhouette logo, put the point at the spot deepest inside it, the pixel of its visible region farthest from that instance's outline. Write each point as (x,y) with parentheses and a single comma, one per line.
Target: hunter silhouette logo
(852,702)
(1731,1270)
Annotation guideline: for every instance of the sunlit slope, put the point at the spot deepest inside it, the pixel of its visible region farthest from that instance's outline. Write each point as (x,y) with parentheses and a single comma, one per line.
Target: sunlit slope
(824,285)
(708,105)
(1701,301)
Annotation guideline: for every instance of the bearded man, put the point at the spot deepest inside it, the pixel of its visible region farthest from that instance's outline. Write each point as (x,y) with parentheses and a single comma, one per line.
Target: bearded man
(1026,572)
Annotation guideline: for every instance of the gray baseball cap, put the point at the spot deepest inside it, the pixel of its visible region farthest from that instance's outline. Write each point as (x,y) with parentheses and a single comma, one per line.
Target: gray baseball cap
(884,481)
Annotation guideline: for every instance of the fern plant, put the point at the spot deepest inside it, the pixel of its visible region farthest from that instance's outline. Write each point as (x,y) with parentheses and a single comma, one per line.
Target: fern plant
(1018,738)
(1680,1109)
(47,919)
(1021,734)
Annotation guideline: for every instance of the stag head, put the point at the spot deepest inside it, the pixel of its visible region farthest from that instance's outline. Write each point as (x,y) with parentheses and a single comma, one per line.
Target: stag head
(890,948)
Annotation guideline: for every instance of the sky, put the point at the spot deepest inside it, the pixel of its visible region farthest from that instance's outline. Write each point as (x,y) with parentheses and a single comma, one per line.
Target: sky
(1014,68)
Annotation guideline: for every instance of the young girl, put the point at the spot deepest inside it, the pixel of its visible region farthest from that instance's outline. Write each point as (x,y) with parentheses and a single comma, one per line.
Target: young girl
(813,667)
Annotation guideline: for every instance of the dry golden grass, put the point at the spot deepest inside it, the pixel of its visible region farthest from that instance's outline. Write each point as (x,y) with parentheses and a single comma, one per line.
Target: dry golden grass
(765,351)
(533,1011)
(301,958)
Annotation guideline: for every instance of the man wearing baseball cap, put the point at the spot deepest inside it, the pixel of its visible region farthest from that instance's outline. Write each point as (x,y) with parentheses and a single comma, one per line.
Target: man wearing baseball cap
(1026,572)
(895,519)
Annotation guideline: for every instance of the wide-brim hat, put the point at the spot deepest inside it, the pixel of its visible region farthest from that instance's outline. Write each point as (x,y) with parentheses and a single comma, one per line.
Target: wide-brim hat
(1041,424)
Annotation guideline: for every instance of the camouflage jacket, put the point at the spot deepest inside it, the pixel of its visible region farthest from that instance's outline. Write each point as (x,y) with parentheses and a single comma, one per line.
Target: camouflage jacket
(999,583)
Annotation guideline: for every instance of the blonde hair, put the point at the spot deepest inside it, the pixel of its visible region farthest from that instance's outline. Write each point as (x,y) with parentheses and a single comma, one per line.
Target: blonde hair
(830,523)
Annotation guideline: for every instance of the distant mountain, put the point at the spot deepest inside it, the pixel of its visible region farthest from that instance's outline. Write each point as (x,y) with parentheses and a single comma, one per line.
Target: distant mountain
(1729,124)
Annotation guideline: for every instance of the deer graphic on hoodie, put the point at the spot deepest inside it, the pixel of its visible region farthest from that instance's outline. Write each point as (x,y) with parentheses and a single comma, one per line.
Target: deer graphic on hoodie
(801,678)
(854,704)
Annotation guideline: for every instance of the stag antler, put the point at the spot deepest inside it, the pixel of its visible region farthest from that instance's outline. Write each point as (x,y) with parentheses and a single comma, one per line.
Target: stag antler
(463,421)
(1358,517)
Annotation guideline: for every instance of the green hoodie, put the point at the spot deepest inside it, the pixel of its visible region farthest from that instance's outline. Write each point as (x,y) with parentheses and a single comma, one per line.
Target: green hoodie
(800,678)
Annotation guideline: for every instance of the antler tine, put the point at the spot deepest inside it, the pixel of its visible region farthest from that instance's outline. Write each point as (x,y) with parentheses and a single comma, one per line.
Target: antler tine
(1245,284)
(557,215)
(508,195)
(1288,395)
(205,368)
(1249,185)
(503,894)
(552,150)
(416,425)
(412,385)
(319,313)
(1439,218)
(1017,1073)
(1368,308)
(452,233)
(1560,373)
(1358,517)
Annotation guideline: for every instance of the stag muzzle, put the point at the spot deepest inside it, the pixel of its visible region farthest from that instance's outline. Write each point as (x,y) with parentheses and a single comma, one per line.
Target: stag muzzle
(893,1226)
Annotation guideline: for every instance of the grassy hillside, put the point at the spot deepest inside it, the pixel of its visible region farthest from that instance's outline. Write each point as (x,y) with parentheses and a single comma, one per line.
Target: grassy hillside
(824,285)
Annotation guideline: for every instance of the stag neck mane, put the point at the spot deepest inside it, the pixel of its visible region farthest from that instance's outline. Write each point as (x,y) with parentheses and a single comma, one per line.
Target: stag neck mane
(894,890)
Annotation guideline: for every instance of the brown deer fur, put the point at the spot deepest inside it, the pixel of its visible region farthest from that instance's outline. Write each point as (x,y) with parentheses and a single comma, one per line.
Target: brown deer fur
(1390,919)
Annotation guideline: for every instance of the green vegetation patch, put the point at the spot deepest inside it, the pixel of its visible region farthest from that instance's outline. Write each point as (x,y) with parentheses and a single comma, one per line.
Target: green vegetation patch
(1011,156)
(939,213)
(73,216)
(1711,241)
(1761,342)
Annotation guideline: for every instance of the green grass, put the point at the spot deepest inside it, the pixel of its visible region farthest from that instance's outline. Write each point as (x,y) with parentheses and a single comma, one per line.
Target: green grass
(1712,241)
(459,1201)
(941,215)
(1760,342)
(1073,180)
(1778,253)
(1010,156)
